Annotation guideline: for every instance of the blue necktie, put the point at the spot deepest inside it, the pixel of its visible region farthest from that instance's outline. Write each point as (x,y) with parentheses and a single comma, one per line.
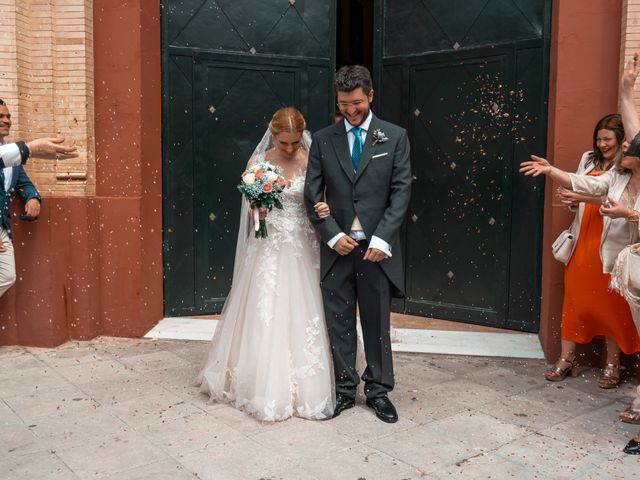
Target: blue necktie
(356,152)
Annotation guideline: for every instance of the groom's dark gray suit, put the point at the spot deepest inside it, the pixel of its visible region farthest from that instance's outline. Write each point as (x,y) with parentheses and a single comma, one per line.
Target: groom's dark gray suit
(378,194)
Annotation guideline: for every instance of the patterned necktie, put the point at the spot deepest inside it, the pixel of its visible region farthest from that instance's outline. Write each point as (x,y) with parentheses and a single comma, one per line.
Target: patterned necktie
(356,152)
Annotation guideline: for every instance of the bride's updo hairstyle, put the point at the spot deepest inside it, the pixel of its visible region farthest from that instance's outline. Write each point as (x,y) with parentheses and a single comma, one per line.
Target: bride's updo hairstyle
(287,119)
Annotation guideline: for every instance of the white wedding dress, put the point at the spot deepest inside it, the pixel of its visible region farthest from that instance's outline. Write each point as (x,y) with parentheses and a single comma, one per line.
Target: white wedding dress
(270,354)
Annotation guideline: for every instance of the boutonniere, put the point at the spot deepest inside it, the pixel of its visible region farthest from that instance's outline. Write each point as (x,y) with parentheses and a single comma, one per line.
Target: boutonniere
(379,136)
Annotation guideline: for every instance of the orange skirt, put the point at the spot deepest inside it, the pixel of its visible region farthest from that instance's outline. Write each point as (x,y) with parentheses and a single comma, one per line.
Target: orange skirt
(590,309)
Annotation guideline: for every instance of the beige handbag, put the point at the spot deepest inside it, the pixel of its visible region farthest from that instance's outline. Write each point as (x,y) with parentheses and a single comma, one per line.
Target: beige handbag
(564,245)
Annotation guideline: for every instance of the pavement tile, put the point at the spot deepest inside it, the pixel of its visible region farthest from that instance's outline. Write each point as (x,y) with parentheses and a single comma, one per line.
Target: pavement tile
(158,407)
(624,468)
(424,448)
(180,380)
(20,360)
(490,467)
(242,422)
(424,406)
(194,432)
(567,399)
(110,455)
(54,401)
(158,360)
(71,429)
(477,430)
(245,459)
(35,466)
(121,348)
(31,381)
(72,353)
(8,416)
(100,371)
(304,439)
(165,470)
(7,352)
(192,351)
(17,440)
(589,434)
(505,380)
(552,458)
(417,375)
(358,462)
(119,390)
(526,413)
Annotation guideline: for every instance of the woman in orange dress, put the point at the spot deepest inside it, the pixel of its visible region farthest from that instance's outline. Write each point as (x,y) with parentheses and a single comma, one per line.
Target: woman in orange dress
(590,309)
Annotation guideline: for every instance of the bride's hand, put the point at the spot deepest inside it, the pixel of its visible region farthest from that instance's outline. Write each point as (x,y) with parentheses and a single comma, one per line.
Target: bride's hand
(322,209)
(262,213)
(536,166)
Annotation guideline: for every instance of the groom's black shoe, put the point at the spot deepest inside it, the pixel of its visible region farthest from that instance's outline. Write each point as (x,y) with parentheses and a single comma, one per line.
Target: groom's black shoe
(343,402)
(384,409)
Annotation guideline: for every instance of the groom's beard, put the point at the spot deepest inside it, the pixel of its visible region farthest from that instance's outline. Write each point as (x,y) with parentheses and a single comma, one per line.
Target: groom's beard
(359,117)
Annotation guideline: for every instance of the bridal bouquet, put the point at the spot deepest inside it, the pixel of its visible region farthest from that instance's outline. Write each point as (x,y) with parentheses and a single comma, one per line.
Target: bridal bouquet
(261,185)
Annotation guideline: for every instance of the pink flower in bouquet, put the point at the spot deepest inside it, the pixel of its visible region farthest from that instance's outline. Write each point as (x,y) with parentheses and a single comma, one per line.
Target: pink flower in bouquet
(268,188)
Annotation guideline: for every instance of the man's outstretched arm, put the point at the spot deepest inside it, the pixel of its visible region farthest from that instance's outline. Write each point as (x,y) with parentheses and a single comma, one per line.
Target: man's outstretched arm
(14,154)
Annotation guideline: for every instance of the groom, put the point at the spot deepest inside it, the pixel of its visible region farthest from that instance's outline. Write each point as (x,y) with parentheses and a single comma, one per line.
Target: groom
(362,166)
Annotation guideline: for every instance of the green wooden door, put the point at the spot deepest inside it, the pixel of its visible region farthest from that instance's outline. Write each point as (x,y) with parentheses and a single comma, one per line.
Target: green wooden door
(227,66)
(468,79)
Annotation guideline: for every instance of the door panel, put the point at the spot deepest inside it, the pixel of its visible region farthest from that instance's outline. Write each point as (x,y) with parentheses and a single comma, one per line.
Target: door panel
(468,79)
(227,67)
(456,246)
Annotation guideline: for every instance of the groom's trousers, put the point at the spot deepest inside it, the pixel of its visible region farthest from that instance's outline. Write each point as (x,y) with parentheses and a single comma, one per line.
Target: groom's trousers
(353,281)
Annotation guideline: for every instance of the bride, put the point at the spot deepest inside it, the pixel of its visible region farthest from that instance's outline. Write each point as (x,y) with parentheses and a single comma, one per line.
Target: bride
(270,353)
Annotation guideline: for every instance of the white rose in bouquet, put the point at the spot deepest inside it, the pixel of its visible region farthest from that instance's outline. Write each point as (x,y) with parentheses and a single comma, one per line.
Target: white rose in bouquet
(272,176)
(249,179)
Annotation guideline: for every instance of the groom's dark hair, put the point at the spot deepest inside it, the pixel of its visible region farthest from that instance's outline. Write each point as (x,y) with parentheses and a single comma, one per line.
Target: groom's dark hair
(350,77)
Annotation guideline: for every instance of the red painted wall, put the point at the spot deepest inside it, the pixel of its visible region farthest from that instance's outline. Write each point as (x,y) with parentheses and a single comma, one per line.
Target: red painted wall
(93,266)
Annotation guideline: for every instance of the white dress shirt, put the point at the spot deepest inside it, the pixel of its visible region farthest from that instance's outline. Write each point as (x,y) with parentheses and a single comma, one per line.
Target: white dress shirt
(356,228)
(10,155)
(8,172)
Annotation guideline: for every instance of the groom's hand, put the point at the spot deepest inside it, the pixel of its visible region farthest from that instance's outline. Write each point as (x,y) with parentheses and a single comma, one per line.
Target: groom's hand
(374,255)
(345,245)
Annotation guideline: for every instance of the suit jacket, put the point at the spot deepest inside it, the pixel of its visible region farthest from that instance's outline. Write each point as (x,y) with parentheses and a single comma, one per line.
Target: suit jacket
(617,233)
(20,184)
(378,193)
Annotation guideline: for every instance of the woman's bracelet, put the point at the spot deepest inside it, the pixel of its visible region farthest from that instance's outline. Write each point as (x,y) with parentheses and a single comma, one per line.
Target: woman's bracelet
(633,217)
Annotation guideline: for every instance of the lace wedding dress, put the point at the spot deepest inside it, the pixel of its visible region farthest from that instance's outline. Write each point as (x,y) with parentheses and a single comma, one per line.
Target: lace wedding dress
(270,354)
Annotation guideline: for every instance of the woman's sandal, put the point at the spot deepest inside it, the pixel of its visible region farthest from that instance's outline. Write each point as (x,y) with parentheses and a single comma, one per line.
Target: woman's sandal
(557,374)
(610,376)
(633,447)
(630,415)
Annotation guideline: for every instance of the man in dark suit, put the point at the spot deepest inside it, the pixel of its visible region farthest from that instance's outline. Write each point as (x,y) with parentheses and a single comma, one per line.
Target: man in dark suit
(362,166)
(12,180)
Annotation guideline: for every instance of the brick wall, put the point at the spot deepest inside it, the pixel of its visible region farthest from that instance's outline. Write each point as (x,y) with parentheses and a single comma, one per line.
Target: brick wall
(46,78)
(630,36)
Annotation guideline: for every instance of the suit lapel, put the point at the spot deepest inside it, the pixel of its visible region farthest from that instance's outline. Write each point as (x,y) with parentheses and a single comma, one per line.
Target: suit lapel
(367,151)
(341,146)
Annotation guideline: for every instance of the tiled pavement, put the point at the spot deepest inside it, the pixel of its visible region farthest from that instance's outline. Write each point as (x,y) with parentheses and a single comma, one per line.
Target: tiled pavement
(127,409)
